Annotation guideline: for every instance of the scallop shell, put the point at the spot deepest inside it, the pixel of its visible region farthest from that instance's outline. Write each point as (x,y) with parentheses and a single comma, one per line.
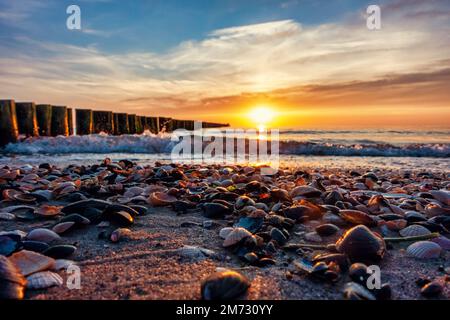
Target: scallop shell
(414,230)
(48,211)
(236,235)
(30,262)
(224,232)
(443,242)
(43,280)
(424,250)
(44,235)
(159,199)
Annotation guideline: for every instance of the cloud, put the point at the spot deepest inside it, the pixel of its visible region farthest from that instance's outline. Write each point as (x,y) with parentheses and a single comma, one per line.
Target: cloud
(241,63)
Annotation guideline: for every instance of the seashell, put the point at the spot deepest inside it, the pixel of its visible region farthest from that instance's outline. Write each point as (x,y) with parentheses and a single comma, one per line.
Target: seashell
(278,236)
(305,191)
(48,211)
(43,280)
(432,289)
(244,201)
(195,253)
(29,262)
(133,192)
(120,234)
(24,197)
(36,246)
(76,218)
(63,227)
(120,218)
(224,232)
(62,264)
(8,245)
(443,242)
(235,236)
(60,251)
(424,250)
(355,291)
(12,283)
(434,209)
(42,234)
(280,195)
(357,217)
(327,229)
(442,196)
(358,273)
(7,216)
(8,194)
(313,237)
(215,210)
(252,224)
(361,245)
(396,225)
(414,230)
(160,199)
(224,285)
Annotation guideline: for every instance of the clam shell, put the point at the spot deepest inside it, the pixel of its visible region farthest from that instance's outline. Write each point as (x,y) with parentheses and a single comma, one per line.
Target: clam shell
(235,236)
(44,235)
(442,196)
(443,242)
(305,191)
(424,250)
(224,285)
(120,234)
(60,251)
(23,197)
(224,232)
(48,211)
(414,230)
(43,280)
(243,201)
(160,199)
(361,244)
(29,262)
(60,228)
(12,283)
(357,217)
(7,216)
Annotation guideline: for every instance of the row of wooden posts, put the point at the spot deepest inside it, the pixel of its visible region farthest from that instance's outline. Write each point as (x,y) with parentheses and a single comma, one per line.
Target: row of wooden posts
(30,119)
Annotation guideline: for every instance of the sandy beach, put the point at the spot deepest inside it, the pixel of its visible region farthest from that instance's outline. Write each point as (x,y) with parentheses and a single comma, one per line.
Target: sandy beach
(163,256)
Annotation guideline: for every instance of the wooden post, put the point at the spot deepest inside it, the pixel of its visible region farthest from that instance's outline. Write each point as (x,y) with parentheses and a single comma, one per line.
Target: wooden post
(85,123)
(132,123)
(152,124)
(44,119)
(122,126)
(26,118)
(9,131)
(138,125)
(103,121)
(70,120)
(165,122)
(60,124)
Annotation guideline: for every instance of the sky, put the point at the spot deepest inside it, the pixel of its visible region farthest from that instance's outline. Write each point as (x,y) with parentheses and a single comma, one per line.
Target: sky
(314,63)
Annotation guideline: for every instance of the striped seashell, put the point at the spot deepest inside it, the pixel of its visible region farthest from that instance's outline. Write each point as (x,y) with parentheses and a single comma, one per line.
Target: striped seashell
(30,262)
(443,242)
(414,230)
(224,232)
(424,250)
(44,235)
(235,236)
(43,280)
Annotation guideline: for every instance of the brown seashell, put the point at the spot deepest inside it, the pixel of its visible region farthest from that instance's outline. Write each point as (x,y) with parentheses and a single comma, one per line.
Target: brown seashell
(48,211)
(434,209)
(424,250)
(30,262)
(43,280)
(357,217)
(305,191)
(12,283)
(62,227)
(43,235)
(414,230)
(361,245)
(159,199)
(396,225)
(120,234)
(24,197)
(235,236)
(442,196)
(224,285)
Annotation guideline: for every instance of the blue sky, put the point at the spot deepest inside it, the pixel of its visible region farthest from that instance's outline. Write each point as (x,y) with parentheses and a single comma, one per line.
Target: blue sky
(314,61)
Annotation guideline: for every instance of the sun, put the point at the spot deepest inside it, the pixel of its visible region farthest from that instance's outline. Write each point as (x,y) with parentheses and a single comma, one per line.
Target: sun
(262,116)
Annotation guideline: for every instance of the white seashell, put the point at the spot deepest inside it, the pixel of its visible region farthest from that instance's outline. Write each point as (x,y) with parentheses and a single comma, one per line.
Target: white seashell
(43,280)
(236,235)
(424,250)
(414,230)
(224,232)
(7,216)
(42,234)
(196,253)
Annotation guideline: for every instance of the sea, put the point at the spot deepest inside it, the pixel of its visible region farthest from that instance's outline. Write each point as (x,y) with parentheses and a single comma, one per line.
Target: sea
(423,150)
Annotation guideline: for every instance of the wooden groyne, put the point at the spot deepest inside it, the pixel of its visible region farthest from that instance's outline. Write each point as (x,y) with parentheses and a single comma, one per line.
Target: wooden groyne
(30,119)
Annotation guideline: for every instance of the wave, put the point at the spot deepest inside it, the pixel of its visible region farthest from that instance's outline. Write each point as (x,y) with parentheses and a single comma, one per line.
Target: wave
(161,143)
